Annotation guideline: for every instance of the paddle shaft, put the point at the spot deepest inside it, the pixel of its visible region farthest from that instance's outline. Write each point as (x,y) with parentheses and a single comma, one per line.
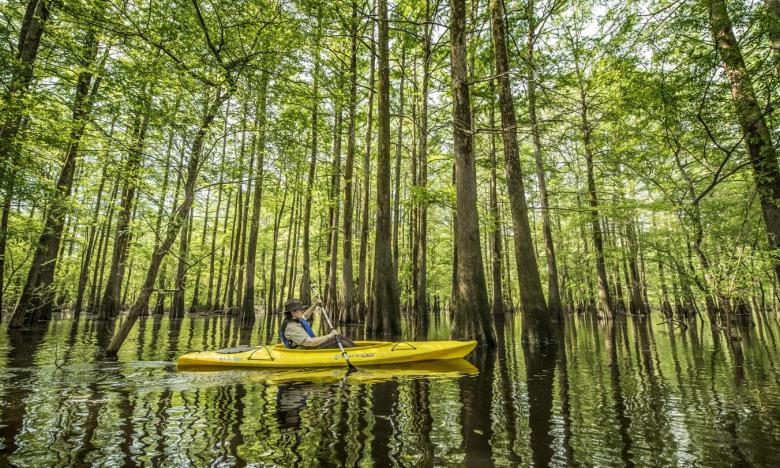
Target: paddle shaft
(338,341)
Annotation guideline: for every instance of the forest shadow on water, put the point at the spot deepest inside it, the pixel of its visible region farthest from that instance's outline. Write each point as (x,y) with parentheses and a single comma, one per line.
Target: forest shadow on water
(634,391)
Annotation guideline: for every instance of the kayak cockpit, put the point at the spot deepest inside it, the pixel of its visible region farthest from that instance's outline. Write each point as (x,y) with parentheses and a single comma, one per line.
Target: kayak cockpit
(359,346)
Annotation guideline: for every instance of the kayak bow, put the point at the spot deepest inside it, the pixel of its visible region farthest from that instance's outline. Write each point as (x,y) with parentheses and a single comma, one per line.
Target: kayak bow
(367,353)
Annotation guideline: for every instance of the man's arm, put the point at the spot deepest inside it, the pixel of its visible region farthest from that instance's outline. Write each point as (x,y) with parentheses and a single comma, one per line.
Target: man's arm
(310,311)
(314,342)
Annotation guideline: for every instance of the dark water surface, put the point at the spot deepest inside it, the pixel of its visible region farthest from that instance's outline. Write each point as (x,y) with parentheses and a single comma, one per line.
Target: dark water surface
(614,394)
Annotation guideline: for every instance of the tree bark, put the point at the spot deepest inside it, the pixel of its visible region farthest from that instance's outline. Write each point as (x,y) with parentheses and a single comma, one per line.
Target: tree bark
(177,308)
(495,238)
(294,209)
(233,265)
(638,305)
(89,249)
(160,304)
(536,323)
(248,304)
(666,306)
(364,228)
(219,303)
(3,241)
(306,272)
(210,303)
(763,155)
(332,293)
(471,309)
(421,290)
(385,314)
(272,276)
(605,298)
(100,261)
(553,289)
(244,223)
(397,191)
(350,311)
(31,32)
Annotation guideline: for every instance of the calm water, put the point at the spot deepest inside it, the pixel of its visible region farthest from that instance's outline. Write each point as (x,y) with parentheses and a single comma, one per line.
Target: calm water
(631,392)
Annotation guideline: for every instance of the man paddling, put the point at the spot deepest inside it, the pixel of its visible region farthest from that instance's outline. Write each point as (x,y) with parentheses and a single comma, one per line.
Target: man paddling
(295,331)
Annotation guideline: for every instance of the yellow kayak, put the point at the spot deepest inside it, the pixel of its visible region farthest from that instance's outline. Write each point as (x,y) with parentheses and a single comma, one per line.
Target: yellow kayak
(367,353)
(450,368)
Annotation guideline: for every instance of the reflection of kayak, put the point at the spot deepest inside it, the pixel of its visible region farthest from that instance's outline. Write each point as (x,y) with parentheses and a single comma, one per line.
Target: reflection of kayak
(449,368)
(366,353)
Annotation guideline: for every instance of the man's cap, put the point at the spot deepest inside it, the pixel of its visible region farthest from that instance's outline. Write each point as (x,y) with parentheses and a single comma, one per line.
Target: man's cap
(292,305)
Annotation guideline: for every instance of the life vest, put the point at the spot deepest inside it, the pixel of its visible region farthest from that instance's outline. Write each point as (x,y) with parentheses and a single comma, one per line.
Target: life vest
(301,322)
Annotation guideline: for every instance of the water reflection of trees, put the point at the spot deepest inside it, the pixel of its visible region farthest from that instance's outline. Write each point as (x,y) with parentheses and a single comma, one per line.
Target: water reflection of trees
(618,392)
(540,364)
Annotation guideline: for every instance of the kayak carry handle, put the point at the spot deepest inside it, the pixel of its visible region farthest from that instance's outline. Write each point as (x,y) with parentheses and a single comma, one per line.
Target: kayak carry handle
(404,343)
(268,356)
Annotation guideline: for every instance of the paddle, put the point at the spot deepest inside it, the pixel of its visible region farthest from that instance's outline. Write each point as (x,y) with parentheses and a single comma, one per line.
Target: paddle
(338,341)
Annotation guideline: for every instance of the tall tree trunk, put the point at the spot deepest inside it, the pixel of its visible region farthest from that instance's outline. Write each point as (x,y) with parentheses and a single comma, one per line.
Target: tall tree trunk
(605,298)
(385,313)
(293,212)
(397,191)
(620,303)
(414,224)
(3,242)
(296,244)
(89,249)
(234,264)
(763,155)
(272,277)
(332,293)
(210,304)
(421,292)
(36,296)
(495,237)
(162,279)
(109,305)
(635,283)
(178,219)
(471,309)
(306,271)
(553,289)
(177,308)
(160,305)
(248,304)
(364,228)
(218,302)
(666,306)
(244,223)
(536,320)
(100,261)
(32,29)
(347,276)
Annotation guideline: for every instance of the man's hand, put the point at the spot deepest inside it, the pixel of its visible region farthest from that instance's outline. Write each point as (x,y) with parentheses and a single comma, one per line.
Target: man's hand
(333,332)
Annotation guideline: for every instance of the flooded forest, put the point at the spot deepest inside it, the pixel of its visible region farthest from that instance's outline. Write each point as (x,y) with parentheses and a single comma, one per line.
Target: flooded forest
(589,190)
